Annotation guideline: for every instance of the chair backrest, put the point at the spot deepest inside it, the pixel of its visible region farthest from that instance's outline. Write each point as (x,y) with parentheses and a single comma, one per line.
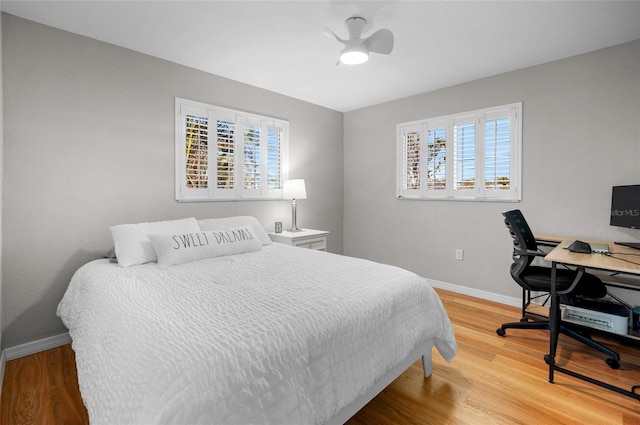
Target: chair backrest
(523,240)
(525,250)
(520,231)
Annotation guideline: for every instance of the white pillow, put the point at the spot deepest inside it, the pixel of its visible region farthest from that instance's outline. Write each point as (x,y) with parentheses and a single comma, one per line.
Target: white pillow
(132,244)
(186,247)
(237,221)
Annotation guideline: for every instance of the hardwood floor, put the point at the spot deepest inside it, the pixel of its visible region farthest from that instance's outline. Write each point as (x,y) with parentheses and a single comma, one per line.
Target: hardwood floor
(492,380)
(42,389)
(496,380)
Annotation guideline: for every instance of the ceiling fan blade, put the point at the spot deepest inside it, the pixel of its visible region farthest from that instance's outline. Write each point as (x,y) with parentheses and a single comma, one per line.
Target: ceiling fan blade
(380,41)
(333,35)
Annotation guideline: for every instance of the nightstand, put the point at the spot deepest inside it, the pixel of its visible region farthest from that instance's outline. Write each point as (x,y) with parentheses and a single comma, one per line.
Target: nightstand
(307,238)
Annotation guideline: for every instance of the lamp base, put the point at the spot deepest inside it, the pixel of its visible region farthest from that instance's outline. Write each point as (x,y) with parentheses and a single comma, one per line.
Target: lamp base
(294,218)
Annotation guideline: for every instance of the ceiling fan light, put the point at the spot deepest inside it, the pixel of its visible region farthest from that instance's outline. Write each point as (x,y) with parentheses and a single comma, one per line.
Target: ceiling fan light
(353,56)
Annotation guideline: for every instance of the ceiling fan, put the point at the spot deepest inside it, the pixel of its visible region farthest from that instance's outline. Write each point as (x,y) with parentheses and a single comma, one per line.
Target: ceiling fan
(357,49)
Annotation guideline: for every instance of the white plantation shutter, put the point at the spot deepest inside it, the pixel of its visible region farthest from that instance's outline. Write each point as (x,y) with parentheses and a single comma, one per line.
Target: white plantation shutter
(225,154)
(251,142)
(274,157)
(245,160)
(436,155)
(497,154)
(473,155)
(501,155)
(409,171)
(464,151)
(197,150)
(193,156)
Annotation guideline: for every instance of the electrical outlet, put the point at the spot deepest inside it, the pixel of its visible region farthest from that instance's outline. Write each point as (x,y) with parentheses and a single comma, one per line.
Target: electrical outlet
(459,254)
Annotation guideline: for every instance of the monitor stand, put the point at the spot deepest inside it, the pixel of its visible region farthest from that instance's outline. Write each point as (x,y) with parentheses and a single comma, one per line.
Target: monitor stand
(635,245)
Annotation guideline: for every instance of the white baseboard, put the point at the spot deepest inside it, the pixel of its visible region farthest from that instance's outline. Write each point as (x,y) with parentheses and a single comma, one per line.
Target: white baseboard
(477,293)
(22,350)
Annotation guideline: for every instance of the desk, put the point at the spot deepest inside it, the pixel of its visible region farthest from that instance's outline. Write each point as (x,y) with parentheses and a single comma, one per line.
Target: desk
(620,260)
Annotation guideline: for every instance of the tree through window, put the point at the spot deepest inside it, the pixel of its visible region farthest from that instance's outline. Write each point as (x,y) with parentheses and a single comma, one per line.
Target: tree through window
(250,154)
(468,156)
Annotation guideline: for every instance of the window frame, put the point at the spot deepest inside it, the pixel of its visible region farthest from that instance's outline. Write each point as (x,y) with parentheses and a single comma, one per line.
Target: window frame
(241,121)
(449,124)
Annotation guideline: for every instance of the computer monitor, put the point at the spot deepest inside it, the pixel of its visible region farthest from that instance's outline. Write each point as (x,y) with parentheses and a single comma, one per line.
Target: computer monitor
(625,206)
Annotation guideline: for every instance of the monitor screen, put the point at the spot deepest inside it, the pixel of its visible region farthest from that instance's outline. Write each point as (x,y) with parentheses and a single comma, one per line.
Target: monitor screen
(625,206)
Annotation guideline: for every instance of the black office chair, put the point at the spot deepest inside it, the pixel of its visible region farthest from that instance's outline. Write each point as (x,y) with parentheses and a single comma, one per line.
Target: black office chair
(538,279)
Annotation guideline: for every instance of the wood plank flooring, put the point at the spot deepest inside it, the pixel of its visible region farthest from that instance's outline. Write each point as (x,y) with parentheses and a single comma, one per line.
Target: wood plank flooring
(42,389)
(495,380)
(492,380)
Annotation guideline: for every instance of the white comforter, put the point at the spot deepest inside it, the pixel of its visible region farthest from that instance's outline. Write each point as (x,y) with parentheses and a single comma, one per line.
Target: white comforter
(280,336)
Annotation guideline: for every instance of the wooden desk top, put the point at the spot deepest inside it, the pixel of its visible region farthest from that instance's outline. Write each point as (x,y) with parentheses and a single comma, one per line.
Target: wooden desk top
(620,259)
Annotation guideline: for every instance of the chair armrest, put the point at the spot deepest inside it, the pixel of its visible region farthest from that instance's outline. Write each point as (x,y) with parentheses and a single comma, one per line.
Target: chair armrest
(576,279)
(547,243)
(528,252)
(547,240)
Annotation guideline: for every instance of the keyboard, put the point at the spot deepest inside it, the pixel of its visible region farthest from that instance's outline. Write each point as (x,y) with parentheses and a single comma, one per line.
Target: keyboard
(635,245)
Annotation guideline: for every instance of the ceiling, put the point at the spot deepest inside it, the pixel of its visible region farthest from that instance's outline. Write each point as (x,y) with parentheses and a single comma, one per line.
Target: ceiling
(280,46)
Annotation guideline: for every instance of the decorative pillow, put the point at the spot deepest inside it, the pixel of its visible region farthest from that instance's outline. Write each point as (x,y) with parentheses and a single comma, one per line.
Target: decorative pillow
(186,247)
(237,221)
(132,245)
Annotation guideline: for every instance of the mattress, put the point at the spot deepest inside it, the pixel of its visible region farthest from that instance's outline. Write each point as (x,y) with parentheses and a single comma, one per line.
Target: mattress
(282,335)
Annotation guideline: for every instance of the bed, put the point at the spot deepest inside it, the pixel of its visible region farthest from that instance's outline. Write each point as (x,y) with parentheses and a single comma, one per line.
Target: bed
(270,334)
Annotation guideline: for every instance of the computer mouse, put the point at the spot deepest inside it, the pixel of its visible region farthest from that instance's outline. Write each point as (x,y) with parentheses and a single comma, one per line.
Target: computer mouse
(580,247)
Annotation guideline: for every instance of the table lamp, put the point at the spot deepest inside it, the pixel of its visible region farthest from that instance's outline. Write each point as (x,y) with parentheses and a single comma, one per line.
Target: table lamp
(294,189)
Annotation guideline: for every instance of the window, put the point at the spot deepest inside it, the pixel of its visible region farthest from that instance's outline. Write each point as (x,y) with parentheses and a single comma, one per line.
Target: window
(247,157)
(468,156)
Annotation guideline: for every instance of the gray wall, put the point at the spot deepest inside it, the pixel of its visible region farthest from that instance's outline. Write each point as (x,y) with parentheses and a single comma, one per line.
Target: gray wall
(581,135)
(89,143)
(88,140)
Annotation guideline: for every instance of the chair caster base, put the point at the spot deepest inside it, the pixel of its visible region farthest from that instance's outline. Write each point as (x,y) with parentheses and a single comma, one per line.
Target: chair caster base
(613,363)
(501,332)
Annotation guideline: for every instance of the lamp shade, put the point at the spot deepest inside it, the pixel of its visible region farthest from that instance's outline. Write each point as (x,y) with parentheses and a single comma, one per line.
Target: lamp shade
(354,55)
(294,189)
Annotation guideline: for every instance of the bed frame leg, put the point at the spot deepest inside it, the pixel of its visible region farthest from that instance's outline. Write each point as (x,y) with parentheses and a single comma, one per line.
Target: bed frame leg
(427,359)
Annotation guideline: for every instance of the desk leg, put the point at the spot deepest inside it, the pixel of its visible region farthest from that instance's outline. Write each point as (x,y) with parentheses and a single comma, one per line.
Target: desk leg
(554,324)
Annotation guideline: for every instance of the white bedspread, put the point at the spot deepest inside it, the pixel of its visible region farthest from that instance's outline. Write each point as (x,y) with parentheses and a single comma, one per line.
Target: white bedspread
(279,336)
